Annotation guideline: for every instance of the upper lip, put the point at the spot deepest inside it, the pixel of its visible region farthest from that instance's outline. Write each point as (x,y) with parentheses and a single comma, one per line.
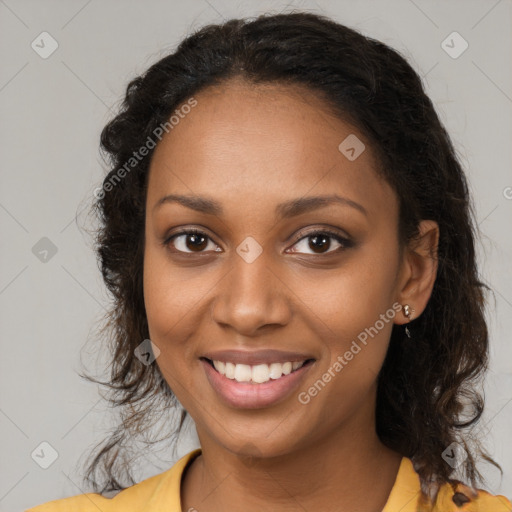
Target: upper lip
(251,358)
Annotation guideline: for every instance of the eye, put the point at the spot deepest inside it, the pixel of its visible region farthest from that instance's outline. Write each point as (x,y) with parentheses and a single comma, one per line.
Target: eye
(190,241)
(320,242)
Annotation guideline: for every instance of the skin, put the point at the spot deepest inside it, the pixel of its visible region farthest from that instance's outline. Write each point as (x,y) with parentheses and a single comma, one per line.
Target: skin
(250,148)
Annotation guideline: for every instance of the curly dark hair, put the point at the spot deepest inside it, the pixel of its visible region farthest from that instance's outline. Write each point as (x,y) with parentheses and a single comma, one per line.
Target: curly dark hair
(428,393)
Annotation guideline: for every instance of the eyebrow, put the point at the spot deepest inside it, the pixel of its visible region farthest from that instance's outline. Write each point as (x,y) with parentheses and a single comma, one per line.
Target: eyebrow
(284,210)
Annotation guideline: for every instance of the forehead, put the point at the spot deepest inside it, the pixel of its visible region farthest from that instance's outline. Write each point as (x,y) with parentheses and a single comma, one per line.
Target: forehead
(264,141)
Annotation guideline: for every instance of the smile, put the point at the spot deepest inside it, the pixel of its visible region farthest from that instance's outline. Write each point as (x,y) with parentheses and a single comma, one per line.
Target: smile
(258,385)
(256,374)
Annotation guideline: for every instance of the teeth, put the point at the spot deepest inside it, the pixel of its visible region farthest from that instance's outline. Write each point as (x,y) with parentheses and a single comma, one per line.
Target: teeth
(275,370)
(220,366)
(243,373)
(230,370)
(259,373)
(287,368)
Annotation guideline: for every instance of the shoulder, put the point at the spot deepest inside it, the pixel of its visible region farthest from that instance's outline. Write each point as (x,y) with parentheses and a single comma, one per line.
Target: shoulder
(148,495)
(406,496)
(80,503)
(461,498)
(127,500)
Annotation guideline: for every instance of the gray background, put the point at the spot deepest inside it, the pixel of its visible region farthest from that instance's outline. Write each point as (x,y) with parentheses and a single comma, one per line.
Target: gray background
(52,111)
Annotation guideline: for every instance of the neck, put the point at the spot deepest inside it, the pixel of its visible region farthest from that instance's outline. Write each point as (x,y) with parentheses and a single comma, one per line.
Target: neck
(350,470)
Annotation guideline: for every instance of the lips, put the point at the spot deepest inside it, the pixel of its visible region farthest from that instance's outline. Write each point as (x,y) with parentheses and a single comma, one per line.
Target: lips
(252,380)
(268,356)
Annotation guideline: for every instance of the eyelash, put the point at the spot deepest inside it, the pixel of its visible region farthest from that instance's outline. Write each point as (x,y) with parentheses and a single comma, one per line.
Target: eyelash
(344,242)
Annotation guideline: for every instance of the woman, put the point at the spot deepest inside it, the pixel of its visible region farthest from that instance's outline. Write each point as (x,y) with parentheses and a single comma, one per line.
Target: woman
(285,219)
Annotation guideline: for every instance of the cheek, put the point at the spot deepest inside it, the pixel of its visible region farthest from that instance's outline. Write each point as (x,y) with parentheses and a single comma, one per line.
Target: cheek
(177,308)
(173,297)
(354,315)
(169,308)
(351,298)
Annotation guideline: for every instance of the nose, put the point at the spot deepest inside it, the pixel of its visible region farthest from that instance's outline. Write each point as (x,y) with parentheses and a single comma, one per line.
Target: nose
(252,297)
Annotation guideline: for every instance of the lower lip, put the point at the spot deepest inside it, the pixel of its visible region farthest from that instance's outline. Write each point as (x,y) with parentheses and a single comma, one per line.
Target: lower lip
(245,395)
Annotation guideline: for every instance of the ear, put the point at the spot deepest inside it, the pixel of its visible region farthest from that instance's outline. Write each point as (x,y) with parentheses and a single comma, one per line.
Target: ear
(419,270)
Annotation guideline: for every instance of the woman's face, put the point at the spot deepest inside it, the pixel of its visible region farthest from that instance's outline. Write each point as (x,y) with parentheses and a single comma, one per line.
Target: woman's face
(263,283)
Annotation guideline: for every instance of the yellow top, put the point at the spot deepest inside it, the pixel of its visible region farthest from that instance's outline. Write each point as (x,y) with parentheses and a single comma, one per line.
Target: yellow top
(161,493)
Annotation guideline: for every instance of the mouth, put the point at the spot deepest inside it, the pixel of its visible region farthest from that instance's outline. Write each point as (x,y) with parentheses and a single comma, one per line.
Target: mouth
(244,386)
(256,374)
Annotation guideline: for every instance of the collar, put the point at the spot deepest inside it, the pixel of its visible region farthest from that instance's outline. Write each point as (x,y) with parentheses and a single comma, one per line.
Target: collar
(404,495)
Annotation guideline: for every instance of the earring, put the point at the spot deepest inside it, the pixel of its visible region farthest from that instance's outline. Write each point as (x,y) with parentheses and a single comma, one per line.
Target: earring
(408,311)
